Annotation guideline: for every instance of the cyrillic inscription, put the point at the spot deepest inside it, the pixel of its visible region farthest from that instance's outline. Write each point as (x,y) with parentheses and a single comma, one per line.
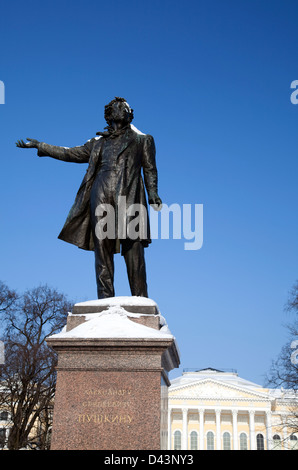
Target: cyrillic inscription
(105,418)
(107,401)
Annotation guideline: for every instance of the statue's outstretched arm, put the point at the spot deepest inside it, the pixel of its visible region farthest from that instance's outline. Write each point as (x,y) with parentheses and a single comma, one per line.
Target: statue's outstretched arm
(79,154)
(31,144)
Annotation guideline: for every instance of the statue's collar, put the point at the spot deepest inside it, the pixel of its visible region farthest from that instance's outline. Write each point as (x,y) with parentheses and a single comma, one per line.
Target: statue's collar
(112,133)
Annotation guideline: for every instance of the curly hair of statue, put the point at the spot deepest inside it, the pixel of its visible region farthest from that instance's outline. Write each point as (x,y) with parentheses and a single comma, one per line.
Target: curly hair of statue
(109,109)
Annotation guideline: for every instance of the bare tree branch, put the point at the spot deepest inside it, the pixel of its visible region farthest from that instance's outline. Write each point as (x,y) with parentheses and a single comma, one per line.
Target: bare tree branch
(284,370)
(28,376)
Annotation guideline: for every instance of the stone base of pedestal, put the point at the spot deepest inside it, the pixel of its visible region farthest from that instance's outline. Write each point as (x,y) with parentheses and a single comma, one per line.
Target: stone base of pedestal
(112,377)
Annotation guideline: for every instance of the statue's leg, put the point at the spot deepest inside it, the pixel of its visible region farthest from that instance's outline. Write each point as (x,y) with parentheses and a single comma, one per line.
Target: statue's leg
(104,267)
(134,256)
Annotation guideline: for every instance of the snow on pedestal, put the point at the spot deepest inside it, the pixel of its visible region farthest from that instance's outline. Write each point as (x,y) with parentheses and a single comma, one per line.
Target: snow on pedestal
(114,322)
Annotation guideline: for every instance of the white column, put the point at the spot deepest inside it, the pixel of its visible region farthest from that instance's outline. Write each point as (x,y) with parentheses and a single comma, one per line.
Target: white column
(269,429)
(252,430)
(201,411)
(218,439)
(285,433)
(169,428)
(235,430)
(184,429)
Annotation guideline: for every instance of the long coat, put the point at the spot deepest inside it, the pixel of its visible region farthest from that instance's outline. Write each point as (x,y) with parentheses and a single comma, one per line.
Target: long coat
(137,153)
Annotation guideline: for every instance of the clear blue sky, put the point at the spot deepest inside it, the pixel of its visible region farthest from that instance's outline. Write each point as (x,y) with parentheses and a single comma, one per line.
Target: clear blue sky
(210,80)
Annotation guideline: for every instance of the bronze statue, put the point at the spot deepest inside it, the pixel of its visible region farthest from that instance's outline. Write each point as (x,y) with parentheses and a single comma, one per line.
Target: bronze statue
(115,160)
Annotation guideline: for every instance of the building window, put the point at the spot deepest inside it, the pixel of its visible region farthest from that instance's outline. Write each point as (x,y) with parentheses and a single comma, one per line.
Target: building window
(243,441)
(193,440)
(2,437)
(276,442)
(259,419)
(293,442)
(225,418)
(242,418)
(210,418)
(260,442)
(226,441)
(210,440)
(3,415)
(177,440)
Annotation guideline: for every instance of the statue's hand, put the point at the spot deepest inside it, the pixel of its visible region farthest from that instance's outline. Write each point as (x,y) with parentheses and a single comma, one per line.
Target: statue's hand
(31,144)
(155,201)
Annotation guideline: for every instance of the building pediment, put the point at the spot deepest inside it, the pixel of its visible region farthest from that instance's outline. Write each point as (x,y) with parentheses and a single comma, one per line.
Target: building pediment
(213,389)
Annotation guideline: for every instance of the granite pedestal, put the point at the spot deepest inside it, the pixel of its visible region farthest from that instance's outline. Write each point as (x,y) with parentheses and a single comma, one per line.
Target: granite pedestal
(114,356)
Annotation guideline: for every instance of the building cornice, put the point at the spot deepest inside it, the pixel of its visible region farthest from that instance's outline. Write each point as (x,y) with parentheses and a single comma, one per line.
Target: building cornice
(260,395)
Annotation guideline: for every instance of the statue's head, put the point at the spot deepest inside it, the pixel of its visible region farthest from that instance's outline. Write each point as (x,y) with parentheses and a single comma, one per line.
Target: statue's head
(118,110)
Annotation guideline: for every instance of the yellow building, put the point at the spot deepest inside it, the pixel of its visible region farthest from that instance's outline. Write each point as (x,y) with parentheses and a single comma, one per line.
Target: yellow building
(216,410)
